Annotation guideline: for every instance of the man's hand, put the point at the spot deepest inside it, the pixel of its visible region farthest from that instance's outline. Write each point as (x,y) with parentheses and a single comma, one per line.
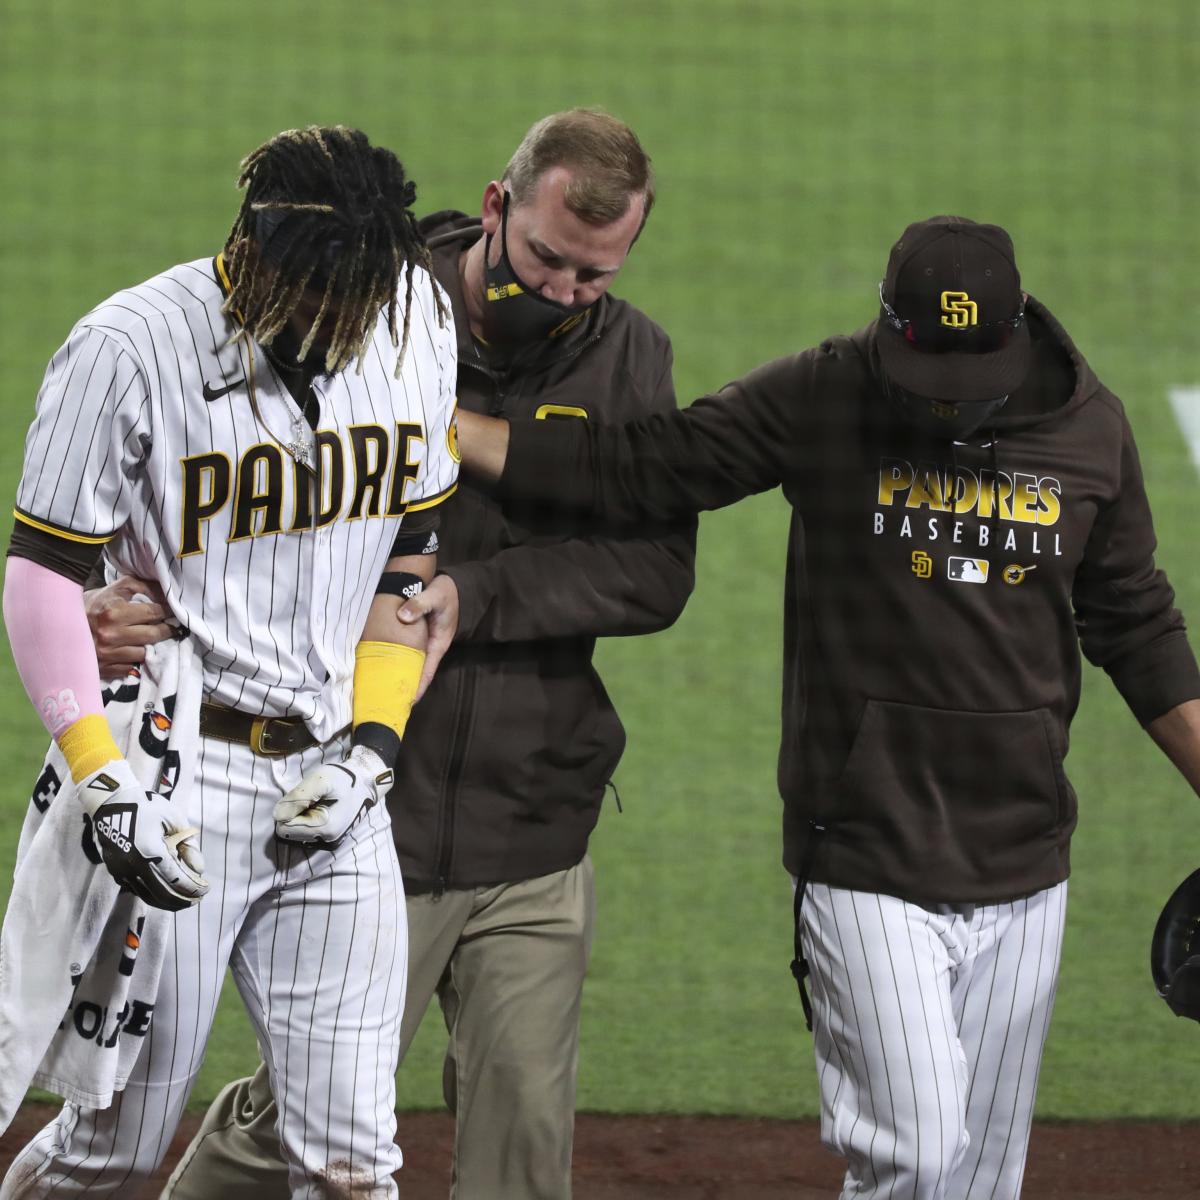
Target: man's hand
(437,605)
(326,802)
(143,838)
(121,627)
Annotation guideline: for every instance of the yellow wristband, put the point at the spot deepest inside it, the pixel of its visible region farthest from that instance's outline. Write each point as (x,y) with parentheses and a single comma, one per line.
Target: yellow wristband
(386,675)
(87,745)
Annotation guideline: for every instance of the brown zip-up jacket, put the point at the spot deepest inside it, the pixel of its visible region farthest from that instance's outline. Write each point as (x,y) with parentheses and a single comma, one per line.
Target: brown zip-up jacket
(506,758)
(938,594)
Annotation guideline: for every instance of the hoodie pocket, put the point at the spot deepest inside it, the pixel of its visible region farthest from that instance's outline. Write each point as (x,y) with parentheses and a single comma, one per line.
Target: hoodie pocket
(959,800)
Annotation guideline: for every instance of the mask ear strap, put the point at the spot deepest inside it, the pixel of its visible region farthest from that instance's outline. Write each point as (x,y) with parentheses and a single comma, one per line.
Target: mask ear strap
(503,232)
(504,207)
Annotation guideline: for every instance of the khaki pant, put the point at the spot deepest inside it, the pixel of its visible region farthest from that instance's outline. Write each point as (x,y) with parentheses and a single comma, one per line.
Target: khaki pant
(507,964)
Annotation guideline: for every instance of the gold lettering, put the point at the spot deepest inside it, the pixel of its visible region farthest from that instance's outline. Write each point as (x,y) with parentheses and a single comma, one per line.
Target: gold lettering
(895,475)
(404,468)
(1024,498)
(965,491)
(1049,492)
(304,485)
(368,445)
(988,493)
(926,489)
(259,497)
(331,477)
(206,480)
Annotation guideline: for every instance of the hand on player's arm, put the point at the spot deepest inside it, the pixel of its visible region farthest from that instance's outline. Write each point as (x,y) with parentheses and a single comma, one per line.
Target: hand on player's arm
(123,627)
(436,611)
(323,806)
(143,838)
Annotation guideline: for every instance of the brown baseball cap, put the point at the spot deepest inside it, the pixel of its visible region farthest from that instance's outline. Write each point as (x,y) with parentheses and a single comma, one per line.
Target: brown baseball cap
(952,313)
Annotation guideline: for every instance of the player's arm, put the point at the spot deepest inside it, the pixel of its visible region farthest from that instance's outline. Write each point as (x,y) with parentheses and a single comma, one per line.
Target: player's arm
(387,669)
(156,857)
(663,467)
(389,658)
(89,435)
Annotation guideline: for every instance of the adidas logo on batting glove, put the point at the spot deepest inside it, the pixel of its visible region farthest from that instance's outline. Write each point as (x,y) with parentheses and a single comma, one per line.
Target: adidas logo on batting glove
(143,838)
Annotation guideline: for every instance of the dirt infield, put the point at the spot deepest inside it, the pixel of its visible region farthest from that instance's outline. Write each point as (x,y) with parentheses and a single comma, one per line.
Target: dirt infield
(715,1158)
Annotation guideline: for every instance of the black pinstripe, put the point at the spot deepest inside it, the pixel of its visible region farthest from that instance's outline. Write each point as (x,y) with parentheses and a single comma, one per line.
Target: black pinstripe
(912,950)
(322,973)
(987,1013)
(858,1041)
(887,1070)
(329,1101)
(1008,1023)
(1024,1044)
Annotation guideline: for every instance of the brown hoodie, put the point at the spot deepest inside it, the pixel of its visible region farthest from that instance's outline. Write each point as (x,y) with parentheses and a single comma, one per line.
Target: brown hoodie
(932,660)
(506,758)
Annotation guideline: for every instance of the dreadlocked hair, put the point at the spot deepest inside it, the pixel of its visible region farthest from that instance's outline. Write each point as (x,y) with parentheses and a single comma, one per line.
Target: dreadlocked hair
(339,211)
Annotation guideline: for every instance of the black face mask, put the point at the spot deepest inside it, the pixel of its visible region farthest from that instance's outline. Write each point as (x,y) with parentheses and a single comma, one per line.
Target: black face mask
(284,353)
(284,350)
(514,314)
(953,420)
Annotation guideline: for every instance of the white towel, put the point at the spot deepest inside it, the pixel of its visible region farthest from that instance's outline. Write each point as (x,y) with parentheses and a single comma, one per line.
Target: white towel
(79,959)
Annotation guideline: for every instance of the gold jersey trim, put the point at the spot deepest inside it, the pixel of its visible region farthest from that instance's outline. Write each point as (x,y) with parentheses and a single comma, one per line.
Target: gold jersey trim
(222,274)
(69,535)
(434,501)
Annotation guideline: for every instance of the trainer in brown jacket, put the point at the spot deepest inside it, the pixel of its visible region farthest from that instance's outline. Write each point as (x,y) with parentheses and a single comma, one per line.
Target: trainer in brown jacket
(968,510)
(507,756)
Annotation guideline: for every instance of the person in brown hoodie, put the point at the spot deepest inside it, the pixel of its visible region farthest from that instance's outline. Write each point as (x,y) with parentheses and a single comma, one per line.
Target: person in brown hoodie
(968,512)
(507,757)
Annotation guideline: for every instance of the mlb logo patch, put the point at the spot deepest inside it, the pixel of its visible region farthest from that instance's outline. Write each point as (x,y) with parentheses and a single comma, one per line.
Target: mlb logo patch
(967,570)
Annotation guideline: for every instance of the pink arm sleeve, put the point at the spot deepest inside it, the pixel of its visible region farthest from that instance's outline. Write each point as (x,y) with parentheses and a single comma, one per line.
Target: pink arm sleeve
(51,644)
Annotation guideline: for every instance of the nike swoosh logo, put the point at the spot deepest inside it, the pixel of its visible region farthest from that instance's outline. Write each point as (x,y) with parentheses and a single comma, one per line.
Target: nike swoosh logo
(212,393)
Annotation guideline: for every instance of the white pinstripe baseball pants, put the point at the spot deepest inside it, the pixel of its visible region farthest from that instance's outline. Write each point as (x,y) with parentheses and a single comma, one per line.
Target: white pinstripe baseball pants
(317,942)
(928,1028)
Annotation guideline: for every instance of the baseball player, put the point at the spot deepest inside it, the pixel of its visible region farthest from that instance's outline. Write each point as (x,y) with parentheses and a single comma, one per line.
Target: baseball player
(927,814)
(265,435)
(492,834)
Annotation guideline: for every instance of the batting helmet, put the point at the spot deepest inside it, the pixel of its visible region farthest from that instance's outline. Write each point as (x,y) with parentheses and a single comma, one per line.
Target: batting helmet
(1175,951)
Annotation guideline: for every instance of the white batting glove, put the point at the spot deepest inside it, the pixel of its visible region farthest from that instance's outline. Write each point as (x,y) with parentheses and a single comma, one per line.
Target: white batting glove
(143,838)
(326,802)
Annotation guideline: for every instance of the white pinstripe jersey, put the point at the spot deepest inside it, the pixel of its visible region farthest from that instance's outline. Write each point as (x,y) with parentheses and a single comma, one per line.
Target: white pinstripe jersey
(145,439)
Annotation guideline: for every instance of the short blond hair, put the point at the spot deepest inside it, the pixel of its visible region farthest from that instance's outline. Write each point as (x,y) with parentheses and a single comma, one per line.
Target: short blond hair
(604,155)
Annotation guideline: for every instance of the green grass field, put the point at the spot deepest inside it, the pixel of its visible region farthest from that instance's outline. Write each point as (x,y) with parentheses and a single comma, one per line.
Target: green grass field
(793,140)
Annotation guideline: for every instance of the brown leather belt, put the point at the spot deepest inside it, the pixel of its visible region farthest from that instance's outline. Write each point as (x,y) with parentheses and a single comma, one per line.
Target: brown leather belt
(270,736)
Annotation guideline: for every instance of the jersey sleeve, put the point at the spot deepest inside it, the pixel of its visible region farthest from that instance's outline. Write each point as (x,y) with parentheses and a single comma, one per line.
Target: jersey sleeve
(438,476)
(89,434)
